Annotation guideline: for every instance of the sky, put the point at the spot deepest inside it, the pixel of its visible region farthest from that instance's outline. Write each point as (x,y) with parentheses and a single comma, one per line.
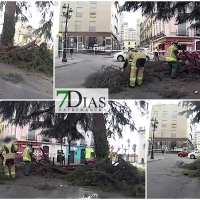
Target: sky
(127,134)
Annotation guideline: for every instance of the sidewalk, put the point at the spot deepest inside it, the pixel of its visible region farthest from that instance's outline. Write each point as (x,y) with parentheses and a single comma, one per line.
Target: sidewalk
(59,63)
(156,158)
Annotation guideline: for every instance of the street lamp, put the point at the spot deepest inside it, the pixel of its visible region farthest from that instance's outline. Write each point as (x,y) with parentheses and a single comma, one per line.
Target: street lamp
(67,13)
(154,124)
(134,150)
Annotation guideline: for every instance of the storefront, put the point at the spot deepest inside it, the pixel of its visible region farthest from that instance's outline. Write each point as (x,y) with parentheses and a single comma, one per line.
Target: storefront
(188,43)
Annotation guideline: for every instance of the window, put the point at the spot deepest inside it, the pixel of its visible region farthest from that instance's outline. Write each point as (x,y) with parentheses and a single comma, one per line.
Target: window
(197,31)
(93,10)
(164,123)
(93,2)
(164,114)
(129,43)
(173,134)
(78,25)
(182,29)
(79,11)
(155,114)
(31,135)
(92,26)
(163,133)
(174,123)
(175,113)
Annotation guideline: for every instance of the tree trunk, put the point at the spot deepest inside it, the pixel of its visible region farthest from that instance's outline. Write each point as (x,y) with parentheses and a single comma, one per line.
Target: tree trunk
(100,138)
(8,31)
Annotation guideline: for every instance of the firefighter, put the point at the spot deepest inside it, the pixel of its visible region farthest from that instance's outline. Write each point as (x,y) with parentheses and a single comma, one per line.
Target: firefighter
(172,58)
(137,61)
(27,158)
(9,149)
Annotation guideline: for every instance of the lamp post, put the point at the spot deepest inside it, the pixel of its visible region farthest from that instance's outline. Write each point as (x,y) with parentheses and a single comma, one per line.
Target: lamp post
(134,150)
(128,148)
(67,13)
(154,124)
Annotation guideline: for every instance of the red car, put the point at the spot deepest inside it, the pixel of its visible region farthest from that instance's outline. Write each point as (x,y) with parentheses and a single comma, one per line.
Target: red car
(89,161)
(183,153)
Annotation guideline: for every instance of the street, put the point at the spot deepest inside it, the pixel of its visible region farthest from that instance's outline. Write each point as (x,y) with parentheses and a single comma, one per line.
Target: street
(74,73)
(165,181)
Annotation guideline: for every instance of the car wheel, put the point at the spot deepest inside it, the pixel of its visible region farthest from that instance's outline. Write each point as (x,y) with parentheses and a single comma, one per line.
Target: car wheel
(192,157)
(180,155)
(120,58)
(147,58)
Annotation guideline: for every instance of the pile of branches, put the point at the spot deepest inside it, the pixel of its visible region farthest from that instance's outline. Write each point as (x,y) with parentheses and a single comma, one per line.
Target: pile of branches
(30,57)
(121,177)
(46,166)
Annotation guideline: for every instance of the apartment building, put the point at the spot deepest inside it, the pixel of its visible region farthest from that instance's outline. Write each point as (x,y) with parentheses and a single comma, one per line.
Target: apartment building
(162,33)
(94,24)
(173,131)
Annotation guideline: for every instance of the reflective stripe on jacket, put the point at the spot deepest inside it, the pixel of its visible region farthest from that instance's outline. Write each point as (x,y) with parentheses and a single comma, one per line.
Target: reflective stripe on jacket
(170,55)
(26,154)
(9,150)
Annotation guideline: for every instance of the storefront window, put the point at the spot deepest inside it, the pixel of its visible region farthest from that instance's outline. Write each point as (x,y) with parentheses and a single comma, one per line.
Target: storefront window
(95,41)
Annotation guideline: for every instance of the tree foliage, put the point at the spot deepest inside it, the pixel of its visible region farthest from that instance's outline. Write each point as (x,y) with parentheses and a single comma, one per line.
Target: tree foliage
(192,110)
(184,11)
(19,10)
(41,115)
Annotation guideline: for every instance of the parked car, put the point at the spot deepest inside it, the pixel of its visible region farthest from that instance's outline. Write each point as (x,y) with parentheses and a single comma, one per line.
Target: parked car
(121,56)
(183,153)
(89,161)
(194,154)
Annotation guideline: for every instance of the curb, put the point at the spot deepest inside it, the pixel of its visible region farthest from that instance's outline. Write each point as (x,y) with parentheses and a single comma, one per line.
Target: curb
(156,160)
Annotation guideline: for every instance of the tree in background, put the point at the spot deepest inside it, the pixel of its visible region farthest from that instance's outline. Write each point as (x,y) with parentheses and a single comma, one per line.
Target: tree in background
(18,10)
(185,11)
(41,115)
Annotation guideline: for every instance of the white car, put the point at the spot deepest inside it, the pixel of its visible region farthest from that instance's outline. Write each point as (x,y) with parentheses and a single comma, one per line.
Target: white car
(194,154)
(121,56)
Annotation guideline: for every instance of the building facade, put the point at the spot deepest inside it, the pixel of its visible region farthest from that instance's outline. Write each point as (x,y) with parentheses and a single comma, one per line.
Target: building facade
(161,34)
(142,144)
(174,131)
(94,24)
(51,147)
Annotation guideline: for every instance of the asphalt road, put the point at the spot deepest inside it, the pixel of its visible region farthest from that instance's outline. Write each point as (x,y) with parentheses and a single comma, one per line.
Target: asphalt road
(165,181)
(73,74)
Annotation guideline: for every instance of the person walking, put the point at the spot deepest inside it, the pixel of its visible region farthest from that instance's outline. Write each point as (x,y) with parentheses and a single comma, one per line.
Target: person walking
(156,54)
(71,52)
(172,58)
(27,158)
(9,149)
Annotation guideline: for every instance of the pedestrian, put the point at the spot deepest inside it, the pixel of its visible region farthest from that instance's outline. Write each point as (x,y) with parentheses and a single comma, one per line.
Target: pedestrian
(163,151)
(136,60)
(63,158)
(71,52)
(59,52)
(156,54)
(172,58)
(9,149)
(27,158)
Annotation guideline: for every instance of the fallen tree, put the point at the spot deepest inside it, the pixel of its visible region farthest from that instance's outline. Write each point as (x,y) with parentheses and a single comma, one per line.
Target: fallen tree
(121,175)
(32,57)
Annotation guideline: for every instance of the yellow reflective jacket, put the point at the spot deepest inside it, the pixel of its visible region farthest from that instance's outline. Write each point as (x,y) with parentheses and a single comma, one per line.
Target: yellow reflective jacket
(137,56)
(170,55)
(130,56)
(26,154)
(9,150)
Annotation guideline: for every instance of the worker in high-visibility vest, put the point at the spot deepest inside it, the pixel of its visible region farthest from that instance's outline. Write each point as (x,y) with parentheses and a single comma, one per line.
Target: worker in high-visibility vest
(137,61)
(172,58)
(9,151)
(27,158)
